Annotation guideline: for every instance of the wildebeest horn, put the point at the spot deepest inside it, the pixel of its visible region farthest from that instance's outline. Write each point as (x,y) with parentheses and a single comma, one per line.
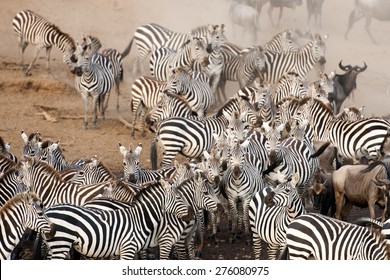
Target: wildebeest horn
(344,68)
(361,69)
(381,182)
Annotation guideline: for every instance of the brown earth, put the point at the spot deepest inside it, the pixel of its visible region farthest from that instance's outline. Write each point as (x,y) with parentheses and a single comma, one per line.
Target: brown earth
(24,99)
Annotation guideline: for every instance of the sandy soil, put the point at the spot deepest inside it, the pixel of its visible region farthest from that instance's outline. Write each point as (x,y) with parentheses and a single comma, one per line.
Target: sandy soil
(23,99)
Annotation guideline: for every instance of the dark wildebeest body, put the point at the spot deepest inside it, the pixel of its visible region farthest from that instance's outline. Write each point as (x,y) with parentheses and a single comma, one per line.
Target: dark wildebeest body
(314,9)
(322,193)
(344,84)
(369,9)
(362,186)
(281,4)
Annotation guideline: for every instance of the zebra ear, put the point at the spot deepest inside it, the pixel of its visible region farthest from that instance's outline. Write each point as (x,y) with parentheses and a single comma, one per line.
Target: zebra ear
(24,136)
(122,149)
(137,151)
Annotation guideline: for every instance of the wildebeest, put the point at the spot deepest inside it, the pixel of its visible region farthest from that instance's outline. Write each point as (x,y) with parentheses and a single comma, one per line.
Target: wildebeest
(369,9)
(314,10)
(245,16)
(322,193)
(362,186)
(281,4)
(344,84)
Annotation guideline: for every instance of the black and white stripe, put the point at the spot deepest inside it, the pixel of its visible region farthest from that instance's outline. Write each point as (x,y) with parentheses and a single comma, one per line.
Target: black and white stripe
(31,28)
(323,238)
(23,211)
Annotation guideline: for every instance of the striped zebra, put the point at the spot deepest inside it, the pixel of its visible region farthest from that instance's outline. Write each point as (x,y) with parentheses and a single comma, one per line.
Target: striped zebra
(120,233)
(200,196)
(151,36)
(93,171)
(196,91)
(32,143)
(94,77)
(5,150)
(289,85)
(170,105)
(21,212)
(244,68)
(191,137)
(300,62)
(351,114)
(145,94)
(114,56)
(353,139)
(269,217)
(31,28)
(10,185)
(240,182)
(6,163)
(46,182)
(51,153)
(320,237)
(164,59)
(133,171)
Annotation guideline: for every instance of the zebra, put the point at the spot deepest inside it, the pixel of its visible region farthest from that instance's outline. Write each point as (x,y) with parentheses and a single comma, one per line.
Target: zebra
(288,85)
(5,150)
(321,237)
(240,182)
(200,196)
(353,139)
(164,59)
(300,62)
(31,28)
(21,212)
(196,91)
(46,182)
(94,77)
(120,233)
(51,153)
(133,171)
(93,171)
(116,60)
(191,137)
(6,163)
(351,114)
(145,94)
(170,105)
(269,223)
(32,143)
(10,185)
(151,36)
(244,68)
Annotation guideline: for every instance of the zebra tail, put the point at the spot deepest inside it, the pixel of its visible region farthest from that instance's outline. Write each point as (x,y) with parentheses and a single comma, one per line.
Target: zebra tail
(320,150)
(128,49)
(284,254)
(153,153)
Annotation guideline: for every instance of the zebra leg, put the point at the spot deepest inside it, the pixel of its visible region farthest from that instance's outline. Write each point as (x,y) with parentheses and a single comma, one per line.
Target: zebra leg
(272,251)
(85,99)
(248,236)
(48,50)
(117,88)
(233,220)
(94,110)
(37,50)
(257,246)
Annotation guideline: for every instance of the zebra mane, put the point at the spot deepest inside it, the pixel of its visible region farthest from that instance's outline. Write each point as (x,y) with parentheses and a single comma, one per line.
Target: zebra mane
(57,29)
(46,168)
(202,29)
(230,103)
(17,199)
(33,135)
(105,168)
(46,144)
(8,172)
(322,105)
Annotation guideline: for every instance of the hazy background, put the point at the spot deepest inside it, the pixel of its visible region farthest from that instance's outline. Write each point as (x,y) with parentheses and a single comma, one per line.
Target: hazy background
(114,22)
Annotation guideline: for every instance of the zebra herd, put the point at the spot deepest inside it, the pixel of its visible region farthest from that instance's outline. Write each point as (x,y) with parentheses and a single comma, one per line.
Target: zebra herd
(252,155)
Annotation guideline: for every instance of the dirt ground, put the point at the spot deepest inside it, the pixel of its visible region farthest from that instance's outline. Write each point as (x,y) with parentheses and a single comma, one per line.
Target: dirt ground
(24,99)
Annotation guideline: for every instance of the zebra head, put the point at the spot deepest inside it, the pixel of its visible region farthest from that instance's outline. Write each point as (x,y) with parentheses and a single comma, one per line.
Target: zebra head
(131,163)
(36,218)
(319,48)
(205,197)
(175,203)
(32,144)
(212,166)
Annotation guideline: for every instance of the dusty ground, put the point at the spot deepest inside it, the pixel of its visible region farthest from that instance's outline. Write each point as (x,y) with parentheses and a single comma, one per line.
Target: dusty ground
(23,99)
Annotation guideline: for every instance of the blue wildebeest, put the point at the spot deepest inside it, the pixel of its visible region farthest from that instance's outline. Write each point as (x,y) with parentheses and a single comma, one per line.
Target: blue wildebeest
(245,16)
(362,186)
(369,9)
(314,10)
(344,84)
